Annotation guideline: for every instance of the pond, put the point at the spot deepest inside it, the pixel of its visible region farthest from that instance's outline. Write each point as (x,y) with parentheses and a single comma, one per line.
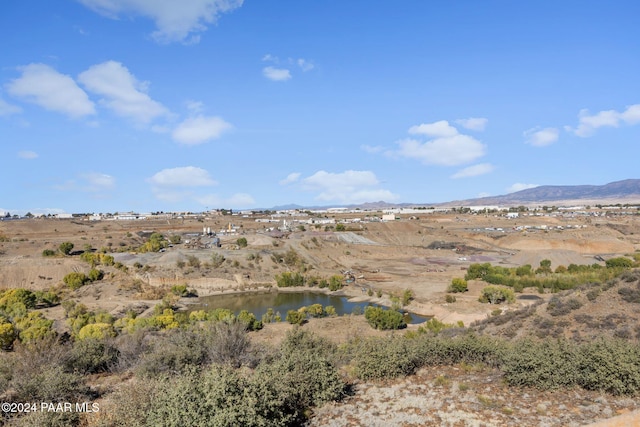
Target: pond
(258,303)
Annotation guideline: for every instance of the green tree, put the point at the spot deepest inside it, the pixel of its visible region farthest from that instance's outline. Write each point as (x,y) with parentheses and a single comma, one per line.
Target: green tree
(497,295)
(242,242)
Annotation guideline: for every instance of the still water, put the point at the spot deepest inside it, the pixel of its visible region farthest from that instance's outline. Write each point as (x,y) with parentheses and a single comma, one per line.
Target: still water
(258,303)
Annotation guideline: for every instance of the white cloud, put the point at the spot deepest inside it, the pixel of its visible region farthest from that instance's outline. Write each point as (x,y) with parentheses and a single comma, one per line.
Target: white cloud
(305,65)
(27,155)
(519,187)
(541,137)
(98,182)
(42,85)
(588,123)
(270,58)
(440,128)
(7,109)
(200,129)
(238,200)
(187,176)
(174,20)
(122,92)
(347,187)
(475,170)
(448,151)
(446,147)
(372,149)
(195,106)
(473,123)
(276,74)
(291,178)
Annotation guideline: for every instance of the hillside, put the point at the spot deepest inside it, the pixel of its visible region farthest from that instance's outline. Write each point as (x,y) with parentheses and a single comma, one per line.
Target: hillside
(592,311)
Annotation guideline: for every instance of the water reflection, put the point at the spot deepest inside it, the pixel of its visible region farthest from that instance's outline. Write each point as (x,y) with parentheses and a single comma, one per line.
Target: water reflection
(259,303)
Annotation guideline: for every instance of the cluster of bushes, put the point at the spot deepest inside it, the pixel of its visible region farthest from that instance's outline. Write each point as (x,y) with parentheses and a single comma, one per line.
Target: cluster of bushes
(183,292)
(97,258)
(299,316)
(606,365)
(76,280)
(544,277)
(281,389)
(18,321)
(289,279)
(155,242)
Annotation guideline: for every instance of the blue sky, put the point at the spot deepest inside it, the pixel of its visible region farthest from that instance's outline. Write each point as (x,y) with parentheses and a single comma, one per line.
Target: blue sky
(162,105)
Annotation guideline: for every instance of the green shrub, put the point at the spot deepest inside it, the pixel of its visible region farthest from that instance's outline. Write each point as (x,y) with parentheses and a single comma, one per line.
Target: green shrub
(458,285)
(66,247)
(48,253)
(380,358)
(382,319)
(450,299)
(335,282)
(92,355)
(295,317)
(242,242)
(619,262)
(75,280)
(497,295)
(95,274)
(288,279)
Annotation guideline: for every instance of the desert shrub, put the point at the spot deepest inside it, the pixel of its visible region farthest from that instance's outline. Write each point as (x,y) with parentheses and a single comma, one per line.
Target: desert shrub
(559,307)
(407,297)
(130,348)
(619,262)
(217,260)
(95,331)
(34,326)
(95,274)
(457,285)
(249,321)
(389,357)
(611,366)
(303,374)
(154,244)
(66,247)
(193,261)
(296,317)
(75,280)
(549,364)
(242,242)
(17,302)
(177,351)
(92,355)
(449,299)
(497,295)
(335,282)
(330,311)
(48,253)
(630,294)
(183,291)
(382,319)
(228,344)
(288,279)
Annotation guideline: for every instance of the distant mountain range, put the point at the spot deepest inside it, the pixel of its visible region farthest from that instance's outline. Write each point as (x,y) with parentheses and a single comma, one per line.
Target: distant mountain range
(626,191)
(620,191)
